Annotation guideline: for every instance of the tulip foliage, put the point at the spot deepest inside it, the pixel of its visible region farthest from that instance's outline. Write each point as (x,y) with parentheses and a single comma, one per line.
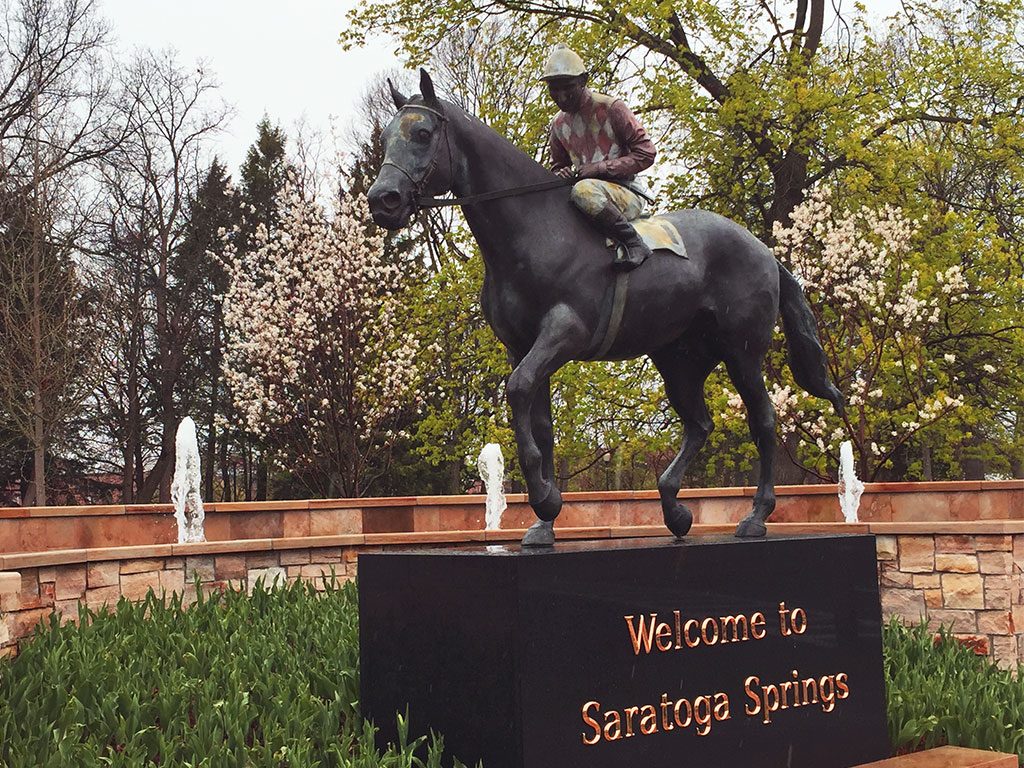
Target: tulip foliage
(269,678)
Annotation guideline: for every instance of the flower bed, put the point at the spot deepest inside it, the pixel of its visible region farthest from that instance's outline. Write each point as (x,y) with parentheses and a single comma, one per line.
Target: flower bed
(940,692)
(267,679)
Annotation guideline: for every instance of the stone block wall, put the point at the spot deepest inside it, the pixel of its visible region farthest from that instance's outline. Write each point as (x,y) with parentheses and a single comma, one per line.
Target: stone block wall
(35,529)
(970,582)
(966,575)
(61,587)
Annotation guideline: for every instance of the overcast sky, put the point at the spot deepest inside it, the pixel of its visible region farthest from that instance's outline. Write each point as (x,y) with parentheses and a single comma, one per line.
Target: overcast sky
(278,57)
(269,56)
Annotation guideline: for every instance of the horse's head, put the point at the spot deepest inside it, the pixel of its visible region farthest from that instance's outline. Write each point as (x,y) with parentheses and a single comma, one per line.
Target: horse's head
(417,156)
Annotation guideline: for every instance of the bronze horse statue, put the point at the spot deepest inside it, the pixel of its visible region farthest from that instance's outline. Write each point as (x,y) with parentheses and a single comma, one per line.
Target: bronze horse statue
(551,297)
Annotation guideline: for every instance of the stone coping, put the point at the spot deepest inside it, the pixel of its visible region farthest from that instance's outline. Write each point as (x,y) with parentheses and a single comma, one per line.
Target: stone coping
(70,556)
(948,757)
(369,503)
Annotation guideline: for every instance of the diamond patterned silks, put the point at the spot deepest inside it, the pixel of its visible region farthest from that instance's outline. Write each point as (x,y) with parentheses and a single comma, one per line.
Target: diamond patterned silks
(589,136)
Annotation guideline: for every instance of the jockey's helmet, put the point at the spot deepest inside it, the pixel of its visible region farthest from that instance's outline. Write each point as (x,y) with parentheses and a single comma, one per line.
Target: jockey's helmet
(563,62)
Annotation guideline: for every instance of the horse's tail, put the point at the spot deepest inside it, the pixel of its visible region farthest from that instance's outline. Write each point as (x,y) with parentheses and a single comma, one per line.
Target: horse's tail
(806,357)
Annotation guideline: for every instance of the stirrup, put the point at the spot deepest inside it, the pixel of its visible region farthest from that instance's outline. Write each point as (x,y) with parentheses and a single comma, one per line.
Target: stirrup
(627,259)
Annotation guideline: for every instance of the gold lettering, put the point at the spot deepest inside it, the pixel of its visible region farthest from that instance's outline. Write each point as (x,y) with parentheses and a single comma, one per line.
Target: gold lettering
(679,629)
(812,684)
(757,630)
(612,726)
(689,713)
(798,614)
(643,635)
(828,699)
(702,715)
(648,720)
(592,723)
(772,692)
(664,633)
(734,623)
(666,724)
(630,713)
(841,684)
(748,687)
(704,631)
(785,688)
(721,706)
(686,634)
(784,620)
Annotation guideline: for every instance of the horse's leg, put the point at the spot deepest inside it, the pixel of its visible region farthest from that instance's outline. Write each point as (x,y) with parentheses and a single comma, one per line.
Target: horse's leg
(562,336)
(543,429)
(542,533)
(684,373)
(745,372)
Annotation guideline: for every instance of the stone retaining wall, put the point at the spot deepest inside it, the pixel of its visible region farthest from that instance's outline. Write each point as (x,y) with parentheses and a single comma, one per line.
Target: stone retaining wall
(971,582)
(970,575)
(35,529)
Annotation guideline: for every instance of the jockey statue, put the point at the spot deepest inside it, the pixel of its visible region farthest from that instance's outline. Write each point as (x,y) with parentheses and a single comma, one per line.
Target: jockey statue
(598,140)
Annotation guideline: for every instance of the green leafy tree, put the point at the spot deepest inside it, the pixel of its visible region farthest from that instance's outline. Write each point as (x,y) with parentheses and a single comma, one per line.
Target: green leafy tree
(465,370)
(753,106)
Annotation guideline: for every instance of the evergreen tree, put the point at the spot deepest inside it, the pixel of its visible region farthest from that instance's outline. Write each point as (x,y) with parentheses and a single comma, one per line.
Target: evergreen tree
(214,217)
(263,176)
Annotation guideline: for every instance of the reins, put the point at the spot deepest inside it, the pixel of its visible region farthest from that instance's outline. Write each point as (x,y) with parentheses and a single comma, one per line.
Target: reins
(425,201)
(610,322)
(526,189)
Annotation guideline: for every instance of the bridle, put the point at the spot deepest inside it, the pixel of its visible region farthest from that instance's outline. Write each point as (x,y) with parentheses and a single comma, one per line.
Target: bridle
(425,201)
(418,185)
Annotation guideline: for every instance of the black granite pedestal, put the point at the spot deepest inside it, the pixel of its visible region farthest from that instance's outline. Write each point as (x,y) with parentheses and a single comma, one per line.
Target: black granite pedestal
(636,653)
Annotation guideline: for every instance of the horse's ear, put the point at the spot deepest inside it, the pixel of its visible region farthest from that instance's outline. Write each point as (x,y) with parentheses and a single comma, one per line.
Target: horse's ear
(396,95)
(427,89)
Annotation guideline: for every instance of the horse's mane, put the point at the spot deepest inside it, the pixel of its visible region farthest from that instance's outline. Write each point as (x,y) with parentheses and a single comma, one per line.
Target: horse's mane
(503,148)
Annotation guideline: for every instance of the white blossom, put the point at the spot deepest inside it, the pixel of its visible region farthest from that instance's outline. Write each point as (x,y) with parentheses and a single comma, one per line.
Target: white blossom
(313,339)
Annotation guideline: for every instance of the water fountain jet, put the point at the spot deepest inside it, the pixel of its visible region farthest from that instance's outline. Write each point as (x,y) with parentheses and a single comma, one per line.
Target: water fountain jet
(188,504)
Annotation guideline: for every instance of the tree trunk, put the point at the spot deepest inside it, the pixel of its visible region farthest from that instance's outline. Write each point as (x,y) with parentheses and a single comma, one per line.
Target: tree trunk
(225,476)
(132,440)
(785,471)
(140,470)
(1017,460)
(127,472)
(160,471)
(974,469)
(790,179)
(211,420)
(454,477)
(167,449)
(38,375)
(262,472)
(39,471)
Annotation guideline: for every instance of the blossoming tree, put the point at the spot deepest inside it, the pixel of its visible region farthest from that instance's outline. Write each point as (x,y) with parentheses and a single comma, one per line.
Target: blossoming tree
(876,309)
(316,359)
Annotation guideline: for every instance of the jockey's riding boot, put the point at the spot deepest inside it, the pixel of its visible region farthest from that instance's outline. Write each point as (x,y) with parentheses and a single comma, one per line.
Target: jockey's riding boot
(617,227)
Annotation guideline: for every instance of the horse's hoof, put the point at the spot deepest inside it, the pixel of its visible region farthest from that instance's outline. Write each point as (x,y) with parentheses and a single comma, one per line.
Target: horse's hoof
(540,534)
(751,528)
(548,507)
(679,519)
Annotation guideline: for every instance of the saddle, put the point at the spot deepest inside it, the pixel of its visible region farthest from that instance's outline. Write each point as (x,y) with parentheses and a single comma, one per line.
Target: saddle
(659,234)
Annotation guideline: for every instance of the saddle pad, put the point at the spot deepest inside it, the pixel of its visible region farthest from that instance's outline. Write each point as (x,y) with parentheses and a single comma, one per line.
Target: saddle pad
(658,233)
